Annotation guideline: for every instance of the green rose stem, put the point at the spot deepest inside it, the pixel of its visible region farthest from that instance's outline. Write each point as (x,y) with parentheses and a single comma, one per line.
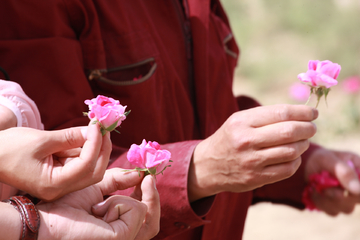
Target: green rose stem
(319,92)
(147,171)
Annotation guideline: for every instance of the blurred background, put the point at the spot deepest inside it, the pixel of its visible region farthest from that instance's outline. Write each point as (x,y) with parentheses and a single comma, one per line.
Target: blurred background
(277,38)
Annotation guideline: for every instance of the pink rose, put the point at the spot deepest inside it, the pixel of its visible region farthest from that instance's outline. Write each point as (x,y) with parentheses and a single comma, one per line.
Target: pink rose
(107,111)
(351,84)
(321,73)
(148,155)
(299,92)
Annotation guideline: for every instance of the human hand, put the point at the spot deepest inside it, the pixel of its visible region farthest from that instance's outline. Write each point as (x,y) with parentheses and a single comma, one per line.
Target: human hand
(252,148)
(84,215)
(8,118)
(337,199)
(50,164)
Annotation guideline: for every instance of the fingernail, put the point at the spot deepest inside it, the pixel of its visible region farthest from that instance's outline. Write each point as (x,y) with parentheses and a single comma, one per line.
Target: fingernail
(354,186)
(350,164)
(314,125)
(84,132)
(316,113)
(98,205)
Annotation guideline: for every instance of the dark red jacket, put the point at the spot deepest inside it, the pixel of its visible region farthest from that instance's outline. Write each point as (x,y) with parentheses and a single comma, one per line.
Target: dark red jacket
(173,70)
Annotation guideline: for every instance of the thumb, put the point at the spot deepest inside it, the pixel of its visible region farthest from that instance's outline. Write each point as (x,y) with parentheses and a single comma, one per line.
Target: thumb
(338,165)
(69,138)
(151,198)
(348,177)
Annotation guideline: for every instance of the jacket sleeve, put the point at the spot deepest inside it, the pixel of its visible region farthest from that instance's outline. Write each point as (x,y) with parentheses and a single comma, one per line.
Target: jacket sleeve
(13,97)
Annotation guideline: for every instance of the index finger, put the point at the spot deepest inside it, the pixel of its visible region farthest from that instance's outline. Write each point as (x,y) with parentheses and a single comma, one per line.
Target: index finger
(265,115)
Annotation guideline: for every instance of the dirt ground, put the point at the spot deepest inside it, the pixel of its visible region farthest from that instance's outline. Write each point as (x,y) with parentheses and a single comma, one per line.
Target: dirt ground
(274,222)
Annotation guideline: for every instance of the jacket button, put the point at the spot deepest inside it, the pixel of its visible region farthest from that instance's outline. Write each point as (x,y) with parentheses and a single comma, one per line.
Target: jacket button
(181,225)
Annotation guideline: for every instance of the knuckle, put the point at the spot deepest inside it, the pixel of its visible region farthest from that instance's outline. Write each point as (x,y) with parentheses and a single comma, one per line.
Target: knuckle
(245,141)
(287,131)
(70,138)
(293,167)
(282,112)
(291,152)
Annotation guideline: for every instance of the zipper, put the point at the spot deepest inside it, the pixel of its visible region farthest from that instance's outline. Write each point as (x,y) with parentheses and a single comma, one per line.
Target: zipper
(183,16)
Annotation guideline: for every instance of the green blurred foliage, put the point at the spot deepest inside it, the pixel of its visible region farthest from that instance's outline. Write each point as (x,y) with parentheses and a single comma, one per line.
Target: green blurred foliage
(278,37)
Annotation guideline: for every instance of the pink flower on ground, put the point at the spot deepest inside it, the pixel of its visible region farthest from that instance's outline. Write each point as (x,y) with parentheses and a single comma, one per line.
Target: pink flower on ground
(107,111)
(321,74)
(299,92)
(351,85)
(149,157)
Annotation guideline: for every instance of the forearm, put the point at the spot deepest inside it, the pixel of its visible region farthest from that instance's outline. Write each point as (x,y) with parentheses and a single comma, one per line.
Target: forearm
(10,222)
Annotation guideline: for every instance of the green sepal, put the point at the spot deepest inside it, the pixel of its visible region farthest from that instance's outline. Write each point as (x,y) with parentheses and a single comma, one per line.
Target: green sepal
(112,126)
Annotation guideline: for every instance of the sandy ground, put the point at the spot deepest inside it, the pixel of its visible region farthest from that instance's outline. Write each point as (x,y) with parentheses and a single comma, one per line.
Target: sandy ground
(274,222)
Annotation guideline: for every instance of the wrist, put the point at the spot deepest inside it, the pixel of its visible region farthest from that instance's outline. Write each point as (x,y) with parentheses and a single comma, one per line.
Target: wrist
(201,181)
(29,217)
(10,222)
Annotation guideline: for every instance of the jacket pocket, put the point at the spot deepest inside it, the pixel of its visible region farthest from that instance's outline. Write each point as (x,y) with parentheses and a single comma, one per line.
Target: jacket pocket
(126,75)
(130,59)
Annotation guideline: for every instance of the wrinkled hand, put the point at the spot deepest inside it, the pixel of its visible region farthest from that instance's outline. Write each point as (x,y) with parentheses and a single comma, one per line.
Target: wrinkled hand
(336,200)
(84,214)
(50,164)
(252,148)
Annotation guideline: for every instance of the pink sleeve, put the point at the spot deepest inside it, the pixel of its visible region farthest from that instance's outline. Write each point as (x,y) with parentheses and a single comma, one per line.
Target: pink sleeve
(13,97)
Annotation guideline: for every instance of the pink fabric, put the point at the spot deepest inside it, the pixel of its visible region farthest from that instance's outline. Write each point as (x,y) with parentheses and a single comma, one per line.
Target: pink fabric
(13,97)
